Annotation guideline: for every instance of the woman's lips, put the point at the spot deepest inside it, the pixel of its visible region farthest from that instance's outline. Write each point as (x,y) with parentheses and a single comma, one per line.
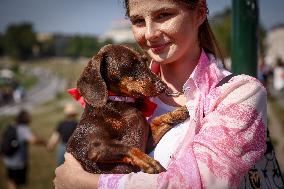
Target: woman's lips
(158,48)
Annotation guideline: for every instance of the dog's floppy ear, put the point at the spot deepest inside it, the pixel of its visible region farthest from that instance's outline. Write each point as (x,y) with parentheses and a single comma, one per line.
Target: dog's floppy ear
(91,84)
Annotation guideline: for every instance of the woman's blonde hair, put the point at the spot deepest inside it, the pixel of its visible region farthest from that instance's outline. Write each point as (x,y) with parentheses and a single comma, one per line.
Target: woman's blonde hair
(206,36)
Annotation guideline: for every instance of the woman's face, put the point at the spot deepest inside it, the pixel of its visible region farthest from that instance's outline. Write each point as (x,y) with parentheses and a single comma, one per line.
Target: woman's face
(166,29)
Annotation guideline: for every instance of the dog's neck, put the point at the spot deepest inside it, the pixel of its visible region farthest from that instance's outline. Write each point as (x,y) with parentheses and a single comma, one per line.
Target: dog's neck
(113,97)
(147,107)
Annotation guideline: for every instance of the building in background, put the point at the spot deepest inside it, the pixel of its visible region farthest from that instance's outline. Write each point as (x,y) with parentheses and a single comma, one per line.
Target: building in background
(119,32)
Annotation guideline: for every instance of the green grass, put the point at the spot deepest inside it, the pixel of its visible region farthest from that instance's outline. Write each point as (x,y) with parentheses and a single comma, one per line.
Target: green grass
(42,163)
(63,68)
(44,120)
(27,81)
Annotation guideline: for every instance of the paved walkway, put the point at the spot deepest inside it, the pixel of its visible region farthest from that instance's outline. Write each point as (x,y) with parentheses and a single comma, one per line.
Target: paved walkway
(46,89)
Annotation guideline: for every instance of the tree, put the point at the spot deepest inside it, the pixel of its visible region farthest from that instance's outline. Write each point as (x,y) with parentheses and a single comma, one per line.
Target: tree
(47,47)
(90,46)
(1,45)
(261,38)
(19,41)
(74,47)
(85,46)
(221,25)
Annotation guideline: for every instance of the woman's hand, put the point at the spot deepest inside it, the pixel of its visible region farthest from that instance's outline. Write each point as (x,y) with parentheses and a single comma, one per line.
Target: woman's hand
(71,175)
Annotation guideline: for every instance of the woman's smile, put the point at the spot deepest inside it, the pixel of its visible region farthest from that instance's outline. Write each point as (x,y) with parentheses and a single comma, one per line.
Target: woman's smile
(166,30)
(159,48)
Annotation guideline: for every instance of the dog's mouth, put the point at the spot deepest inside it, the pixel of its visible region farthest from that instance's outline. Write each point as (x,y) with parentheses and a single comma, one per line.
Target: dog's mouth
(142,88)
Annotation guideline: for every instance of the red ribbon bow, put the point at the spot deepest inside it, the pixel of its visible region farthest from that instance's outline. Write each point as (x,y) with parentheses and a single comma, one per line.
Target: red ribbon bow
(147,109)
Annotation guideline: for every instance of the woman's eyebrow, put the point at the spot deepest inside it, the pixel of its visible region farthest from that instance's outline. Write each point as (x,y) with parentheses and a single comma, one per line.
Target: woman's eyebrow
(133,17)
(155,11)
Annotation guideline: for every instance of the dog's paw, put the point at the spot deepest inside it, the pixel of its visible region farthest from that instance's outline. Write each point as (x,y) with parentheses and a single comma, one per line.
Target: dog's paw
(154,167)
(145,162)
(181,114)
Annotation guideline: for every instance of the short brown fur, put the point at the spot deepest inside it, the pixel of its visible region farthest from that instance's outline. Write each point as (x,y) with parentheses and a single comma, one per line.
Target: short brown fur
(112,136)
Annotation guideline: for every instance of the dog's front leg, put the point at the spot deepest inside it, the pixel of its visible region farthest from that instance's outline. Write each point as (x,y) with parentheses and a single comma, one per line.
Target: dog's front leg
(162,124)
(115,152)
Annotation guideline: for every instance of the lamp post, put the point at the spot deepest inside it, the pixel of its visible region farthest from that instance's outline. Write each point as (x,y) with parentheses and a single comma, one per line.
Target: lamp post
(245,37)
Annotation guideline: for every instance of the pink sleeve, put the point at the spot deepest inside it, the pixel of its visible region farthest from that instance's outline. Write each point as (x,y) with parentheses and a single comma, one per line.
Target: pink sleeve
(232,137)
(225,143)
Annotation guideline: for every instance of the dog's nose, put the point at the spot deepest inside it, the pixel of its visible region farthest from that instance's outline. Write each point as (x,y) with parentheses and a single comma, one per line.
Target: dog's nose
(161,86)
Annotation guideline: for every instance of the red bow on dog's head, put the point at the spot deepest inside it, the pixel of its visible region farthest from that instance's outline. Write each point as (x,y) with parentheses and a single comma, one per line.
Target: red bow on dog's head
(147,108)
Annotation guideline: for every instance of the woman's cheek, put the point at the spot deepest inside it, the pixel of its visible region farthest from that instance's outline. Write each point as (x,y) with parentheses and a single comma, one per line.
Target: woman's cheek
(138,36)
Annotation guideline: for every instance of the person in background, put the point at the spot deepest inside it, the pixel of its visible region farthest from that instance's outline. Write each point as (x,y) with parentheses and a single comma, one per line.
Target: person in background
(17,164)
(63,132)
(225,134)
(262,71)
(278,76)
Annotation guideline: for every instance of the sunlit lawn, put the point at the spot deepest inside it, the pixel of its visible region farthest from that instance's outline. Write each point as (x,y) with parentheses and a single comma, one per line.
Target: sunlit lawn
(42,163)
(45,118)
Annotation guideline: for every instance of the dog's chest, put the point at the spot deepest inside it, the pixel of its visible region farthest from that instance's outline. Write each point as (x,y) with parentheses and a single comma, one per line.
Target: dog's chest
(117,118)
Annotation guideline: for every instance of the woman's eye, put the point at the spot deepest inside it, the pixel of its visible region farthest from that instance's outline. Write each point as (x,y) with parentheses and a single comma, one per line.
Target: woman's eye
(164,15)
(137,22)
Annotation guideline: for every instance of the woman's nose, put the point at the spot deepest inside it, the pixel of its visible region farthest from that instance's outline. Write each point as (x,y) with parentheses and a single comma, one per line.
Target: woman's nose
(152,31)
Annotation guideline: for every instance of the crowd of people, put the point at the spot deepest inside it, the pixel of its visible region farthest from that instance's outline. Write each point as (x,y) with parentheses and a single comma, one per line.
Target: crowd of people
(10,89)
(17,164)
(272,75)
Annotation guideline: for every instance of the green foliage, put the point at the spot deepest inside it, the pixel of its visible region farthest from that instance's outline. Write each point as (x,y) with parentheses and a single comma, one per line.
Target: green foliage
(89,46)
(106,41)
(221,25)
(47,48)
(19,41)
(1,45)
(261,38)
(85,46)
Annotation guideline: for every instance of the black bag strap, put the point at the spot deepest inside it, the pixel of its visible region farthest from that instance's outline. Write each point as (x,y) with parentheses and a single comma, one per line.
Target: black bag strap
(222,82)
(225,80)
(269,150)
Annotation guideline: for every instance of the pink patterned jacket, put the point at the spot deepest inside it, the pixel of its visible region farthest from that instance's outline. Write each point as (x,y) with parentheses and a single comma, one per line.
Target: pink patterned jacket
(225,139)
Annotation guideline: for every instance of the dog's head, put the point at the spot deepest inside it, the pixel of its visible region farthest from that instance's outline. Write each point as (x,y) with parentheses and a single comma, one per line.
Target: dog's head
(121,70)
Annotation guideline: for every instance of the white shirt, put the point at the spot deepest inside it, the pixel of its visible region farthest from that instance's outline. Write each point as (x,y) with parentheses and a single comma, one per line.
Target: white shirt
(170,141)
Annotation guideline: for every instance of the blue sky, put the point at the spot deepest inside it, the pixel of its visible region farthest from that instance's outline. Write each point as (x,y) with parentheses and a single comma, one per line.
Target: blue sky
(95,16)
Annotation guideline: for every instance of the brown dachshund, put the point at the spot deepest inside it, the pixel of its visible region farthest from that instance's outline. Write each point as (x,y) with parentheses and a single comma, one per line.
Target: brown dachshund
(112,136)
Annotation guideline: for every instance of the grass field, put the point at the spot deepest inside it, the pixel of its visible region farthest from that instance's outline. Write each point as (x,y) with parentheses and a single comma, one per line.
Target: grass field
(45,118)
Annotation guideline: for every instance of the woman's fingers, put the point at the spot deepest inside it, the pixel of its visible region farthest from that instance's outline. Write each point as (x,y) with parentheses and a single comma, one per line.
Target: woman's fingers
(65,174)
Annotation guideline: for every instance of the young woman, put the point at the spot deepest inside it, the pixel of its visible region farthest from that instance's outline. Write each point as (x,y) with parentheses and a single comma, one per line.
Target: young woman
(225,134)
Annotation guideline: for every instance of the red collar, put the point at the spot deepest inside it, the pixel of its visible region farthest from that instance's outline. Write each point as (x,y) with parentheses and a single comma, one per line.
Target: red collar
(147,109)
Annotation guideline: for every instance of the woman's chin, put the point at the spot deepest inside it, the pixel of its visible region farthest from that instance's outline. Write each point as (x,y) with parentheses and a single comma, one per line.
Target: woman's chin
(159,58)
(162,57)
